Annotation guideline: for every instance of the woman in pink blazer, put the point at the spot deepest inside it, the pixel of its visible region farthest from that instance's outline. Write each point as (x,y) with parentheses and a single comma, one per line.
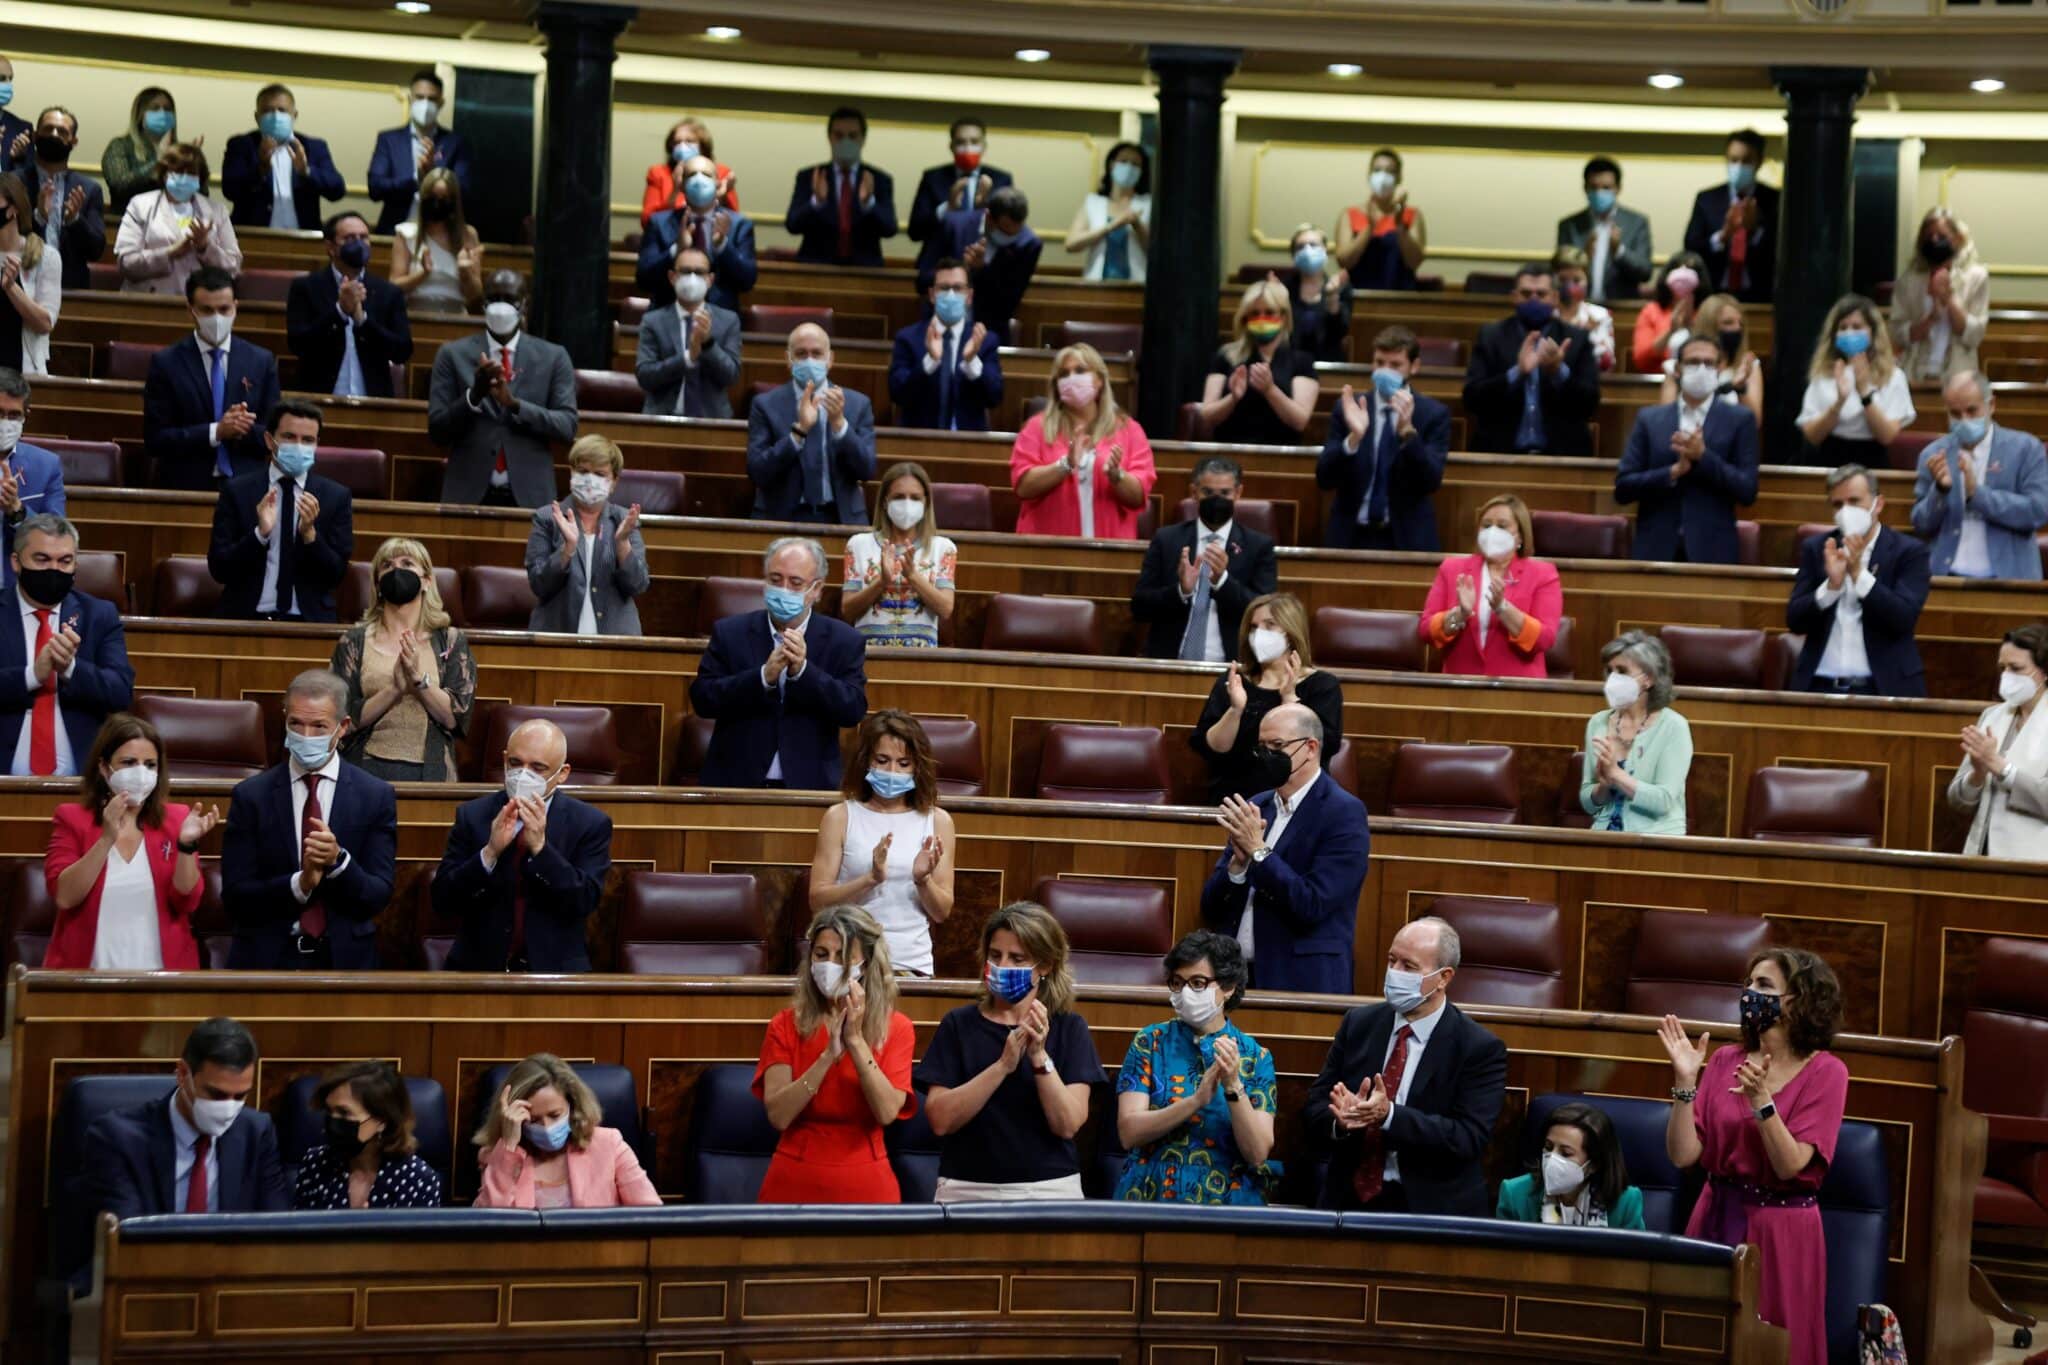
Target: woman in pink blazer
(1495,612)
(123,863)
(169,232)
(542,1147)
(1081,467)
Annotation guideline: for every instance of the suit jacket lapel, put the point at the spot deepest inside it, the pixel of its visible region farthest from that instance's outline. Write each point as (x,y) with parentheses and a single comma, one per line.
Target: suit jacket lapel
(1375,1047)
(196,360)
(163,1154)
(281,811)
(1304,814)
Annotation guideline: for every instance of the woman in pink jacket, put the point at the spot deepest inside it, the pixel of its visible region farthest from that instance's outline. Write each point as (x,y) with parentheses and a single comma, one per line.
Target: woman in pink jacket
(1495,612)
(169,232)
(543,1146)
(1082,467)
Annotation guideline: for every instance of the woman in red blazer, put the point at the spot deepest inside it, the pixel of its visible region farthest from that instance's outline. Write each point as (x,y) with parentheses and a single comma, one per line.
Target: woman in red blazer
(1495,612)
(123,865)
(662,190)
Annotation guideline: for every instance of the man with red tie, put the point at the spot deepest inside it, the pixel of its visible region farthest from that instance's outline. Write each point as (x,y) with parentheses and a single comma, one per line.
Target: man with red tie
(64,667)
(843,208)
(1409,1093)
(308,861)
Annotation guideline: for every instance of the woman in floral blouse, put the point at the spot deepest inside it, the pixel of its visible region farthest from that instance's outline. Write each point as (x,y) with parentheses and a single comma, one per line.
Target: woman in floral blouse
(899,576)
(411,678)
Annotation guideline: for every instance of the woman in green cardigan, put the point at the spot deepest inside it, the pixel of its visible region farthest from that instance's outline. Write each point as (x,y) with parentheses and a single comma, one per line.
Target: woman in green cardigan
(129,163)
(1581,1180)
(1639,750)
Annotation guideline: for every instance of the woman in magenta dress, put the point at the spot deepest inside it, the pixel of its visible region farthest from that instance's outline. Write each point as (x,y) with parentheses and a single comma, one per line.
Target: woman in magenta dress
(1761,1119)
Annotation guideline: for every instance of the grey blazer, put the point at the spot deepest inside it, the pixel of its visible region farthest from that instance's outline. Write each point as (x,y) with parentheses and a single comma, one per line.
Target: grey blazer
(659,366)
(1626,268)
(559,584)
(543,412)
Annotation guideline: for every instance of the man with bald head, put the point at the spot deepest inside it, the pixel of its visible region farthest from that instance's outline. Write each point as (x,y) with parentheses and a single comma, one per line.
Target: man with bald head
(1981,491)
(724,235)
(500,401)
(1287,884)
(525,866)
(810,443)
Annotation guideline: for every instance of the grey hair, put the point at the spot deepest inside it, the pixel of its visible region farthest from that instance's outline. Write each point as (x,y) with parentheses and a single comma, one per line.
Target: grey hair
(12,384)
(1974,376)
(1218,464)
(1841,474)
(1449,950)
(49,524)
(320,684)
(781,543)
(1648,653)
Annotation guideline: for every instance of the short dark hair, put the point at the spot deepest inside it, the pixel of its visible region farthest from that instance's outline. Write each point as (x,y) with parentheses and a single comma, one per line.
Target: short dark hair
(947,263)
(1814,1009)
(293,407)
(966,121)
(429,75)
(223,1042)
(1609,1176)
(1750,138)
(1144,185)
(13,383)
(1226,959)
(1390,153)
(1218,464)
(334,222)
(2031,638)
(1530,268)
(1600,164)
(209,277)
(275,88)
(848,111)
(1009,202)
(1398,338)
(378,1087)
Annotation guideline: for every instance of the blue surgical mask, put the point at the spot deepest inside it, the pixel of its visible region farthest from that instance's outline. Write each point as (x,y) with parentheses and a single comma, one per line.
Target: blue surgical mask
(846,150)
(6,93)
(181,186)
(276,125)
(889,784)
(1600,201)
(1124,174)
(1311,259)
(294,459)
(700,190)
(1741,175)
(1535,312)
(1852,344)
(1388,382)
(949,306)
(546,1137)
(157,122)
(783,605)
(682,152)
(1009,984)
(808,371)
(312,751)
(998,237)
(1403,990)
(1965,432)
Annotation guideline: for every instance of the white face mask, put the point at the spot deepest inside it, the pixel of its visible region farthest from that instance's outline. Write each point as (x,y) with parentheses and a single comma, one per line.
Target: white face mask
(1194,1007)
(906,513)
(1268,644)
(1854,521)
(501,319)
(214,328)
(2016,689)
(138,782)
(691,289)
(524,782)
(215,1117)
(10,433)
(1496,542)
(589,489)
(1561,1175)
(1622,690)
(1381,183)
(1698,382)
(833,979)
(423,113)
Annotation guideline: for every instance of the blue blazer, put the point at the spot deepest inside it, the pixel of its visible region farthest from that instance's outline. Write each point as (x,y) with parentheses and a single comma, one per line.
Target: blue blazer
(928,209)
(13,126)
(1709,212)
(395,171)
(1890,612)
(2013,500)
(818,224)
(100,684)
(917,394)
(245,180)
(562,885)
(81,241)
(314,326)
(177,408)
(786,478)
(1000,283)
(1414,475)
(42,490)
(261,852)
(1700,507)
(799,720)
(733,266)
(236,559)
(1305,893)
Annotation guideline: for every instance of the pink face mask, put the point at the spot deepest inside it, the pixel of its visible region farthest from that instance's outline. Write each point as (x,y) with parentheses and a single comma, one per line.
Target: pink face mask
(1077,390)
(1681,282)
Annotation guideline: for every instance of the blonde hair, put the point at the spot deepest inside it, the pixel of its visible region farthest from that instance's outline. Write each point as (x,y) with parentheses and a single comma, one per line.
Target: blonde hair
(1517,509)
(1269,296)
(1290,618)
(1966,245)
(1706,320)
(1108,419)
(596,449)
(907,469)
(856,929)
(537,1073)
(1825,355)
(433,615)
(1041,936)
(14,190)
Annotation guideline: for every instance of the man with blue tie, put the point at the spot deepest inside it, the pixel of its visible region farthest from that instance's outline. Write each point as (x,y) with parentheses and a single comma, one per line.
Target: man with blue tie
(810,443)
(944,375)
(203,400)
(282,539)
(64,666)
(274,175)
(689,351)
(1532,386)
(346,326)
(1690,465)
(1385,455)
(31,478)
(70,211)
(1201,576)
(724,235)
(405,154)
(842,208)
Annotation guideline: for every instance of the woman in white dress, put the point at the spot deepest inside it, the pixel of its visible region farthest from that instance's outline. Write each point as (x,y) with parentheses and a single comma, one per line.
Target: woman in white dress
(31,276)
(2003,781)
(436,257)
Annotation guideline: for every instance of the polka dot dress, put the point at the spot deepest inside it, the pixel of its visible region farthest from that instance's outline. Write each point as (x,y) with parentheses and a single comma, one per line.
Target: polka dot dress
(408,1183)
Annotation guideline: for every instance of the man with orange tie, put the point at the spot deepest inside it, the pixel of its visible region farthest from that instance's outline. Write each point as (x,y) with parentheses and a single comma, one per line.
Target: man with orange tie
(64,669)
(843,208)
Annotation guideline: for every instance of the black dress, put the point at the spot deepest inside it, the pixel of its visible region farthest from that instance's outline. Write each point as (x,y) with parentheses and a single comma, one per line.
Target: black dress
(1319,334)
(1254,422)
(1231,772)
(402,1183)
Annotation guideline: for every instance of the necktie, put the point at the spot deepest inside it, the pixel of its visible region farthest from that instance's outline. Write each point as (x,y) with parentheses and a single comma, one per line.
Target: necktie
(312,917)
(1371,1174)
(42,734)
(219,380)
(1378,510)
(1193,639)
(517,947)
(702,233)
(845,212)
(504,359)
(949,381)
(287,527)
(1738,258)
(195,1188)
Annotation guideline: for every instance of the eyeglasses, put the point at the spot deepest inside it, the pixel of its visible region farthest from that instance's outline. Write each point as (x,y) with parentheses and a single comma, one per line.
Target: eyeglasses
(1190,983)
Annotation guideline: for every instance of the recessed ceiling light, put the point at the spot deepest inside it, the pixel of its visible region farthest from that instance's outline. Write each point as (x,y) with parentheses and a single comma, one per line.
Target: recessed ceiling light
(1667,80)
(1033,54)
(412,6)
(1345,69)
(1988,85)
(723,32)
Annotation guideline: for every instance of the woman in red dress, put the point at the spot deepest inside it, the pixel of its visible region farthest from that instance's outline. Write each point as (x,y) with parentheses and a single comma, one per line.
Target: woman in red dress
(1762,1119)
(835,1069)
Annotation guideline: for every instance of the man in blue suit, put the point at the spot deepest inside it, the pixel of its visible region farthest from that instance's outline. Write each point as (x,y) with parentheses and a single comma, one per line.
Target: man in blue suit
(63,659)
(1385,457)
(810,443)
(725,236)
(205,396)
(274,175)
(525,866)
(69,209)
(311,845)
(405,154)
(1857,598)
(842,208)
(1734,226)
(1002,259)
(943,373)
(1691,464)
(1981,491)
(346,326)
(16,137)
(1287,884)
(282,538)
(777,712)
(960,186)
(31,478)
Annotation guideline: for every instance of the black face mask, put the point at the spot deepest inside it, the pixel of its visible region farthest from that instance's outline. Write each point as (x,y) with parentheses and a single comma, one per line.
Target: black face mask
(343,1137)
(1938,250)
(1271,767)
(1731,344)
(1216,508)
(398,586)
(53,149)
(47,586)
(437,209)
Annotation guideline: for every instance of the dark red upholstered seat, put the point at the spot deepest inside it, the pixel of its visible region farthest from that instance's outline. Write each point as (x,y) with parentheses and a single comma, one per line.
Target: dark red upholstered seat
(1256,513)
(659,492)
(608,391)
(1042,625)
(1353,637)
(1843,806)
(1121,764)
(1691,965)
(594,754)
(99,575)
(1513,952)
(185,587)
(1444,351)
(1456,782)
(127,360)
(780,319)
(1557,660)
(956,745)
(30,914)
(1118,932)
(1749,540)
(365,473)
(693,922)
(2007,1019)
(633,307)
(1906,447)
(691,748)
(95,464)
(352,597)
(497,597)
(1570,814)
(723,597)
(962,507)
(207,738)
(1710,656)
(1108,338)
(1579,535)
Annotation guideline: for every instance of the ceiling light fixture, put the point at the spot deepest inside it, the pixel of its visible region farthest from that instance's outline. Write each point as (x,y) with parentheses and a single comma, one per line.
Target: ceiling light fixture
(1667,80)
(412,6)
(1346,69)
(1033,54)
(722,32)
(1988,85)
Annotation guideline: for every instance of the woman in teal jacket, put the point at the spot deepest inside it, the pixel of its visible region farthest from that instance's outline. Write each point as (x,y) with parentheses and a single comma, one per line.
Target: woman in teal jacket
(1581,1180)
(1639,750)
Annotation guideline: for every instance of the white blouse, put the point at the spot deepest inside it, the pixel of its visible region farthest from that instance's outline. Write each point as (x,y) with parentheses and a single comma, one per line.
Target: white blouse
(127,937)
(1894,398)
(1096,206)
(44,284)
(894,903)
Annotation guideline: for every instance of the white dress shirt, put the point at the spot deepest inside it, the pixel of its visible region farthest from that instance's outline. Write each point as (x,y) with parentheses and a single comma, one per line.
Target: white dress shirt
(1692,416)
(1845,656)
(127,938)
(1602,242)
(586,618)
(1973,545)
(1283,811)
(1420,1030)
(287,519)
(329,774)
(284,210)
(781,684)
(348,380)
(186,1138)
(1084,488)
(956,336)
(67,764)
(1212,635)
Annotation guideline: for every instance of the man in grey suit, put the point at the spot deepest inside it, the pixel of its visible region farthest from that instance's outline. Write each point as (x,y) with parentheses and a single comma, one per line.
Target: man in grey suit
(1981,491)
(498,402)
(1616,240)
(810,443)
(689,352)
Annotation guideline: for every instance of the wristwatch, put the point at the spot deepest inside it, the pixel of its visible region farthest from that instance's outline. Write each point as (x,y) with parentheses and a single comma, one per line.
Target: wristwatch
(1043,1070)
(1869,397)
(1233,1096)
(1260,854)
(1769,1111)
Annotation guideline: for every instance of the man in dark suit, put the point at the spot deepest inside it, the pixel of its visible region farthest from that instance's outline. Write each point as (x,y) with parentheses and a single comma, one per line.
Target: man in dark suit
(282,538)
(1002,260)
(525,866)
(1409,1092)
(17,138)
(1287,884)
(63,657)
(31,478)
(842,208)
(1857,598)
(689,350)
(810,443)
(1690,464)
(205,396)
(1385,455)
(943,373)
(69,209)
(1616,240)
(959,186)
(346,326)
(1533,384)
(403,155)
(311,845)
(1199,576)
(777,712)
(1734,226)
(726,236)
(274,175)
(500,400)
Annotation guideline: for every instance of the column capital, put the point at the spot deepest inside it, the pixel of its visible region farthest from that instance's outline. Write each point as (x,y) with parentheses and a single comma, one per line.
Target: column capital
(553,15)
(1182,59)
(1829,84)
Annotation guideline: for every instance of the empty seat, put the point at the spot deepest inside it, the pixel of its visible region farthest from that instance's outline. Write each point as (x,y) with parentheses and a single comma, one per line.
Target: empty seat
(723,597)
(1108,338)
(1856,1220)
(618,1101)
(363,472)
(99,575)
(1343,767)
(1125,765)
(1843,806)
(300,1128)
(1188,424)
(1579,535)
(264,286)
(699,923)
(1447,352)
(914,1155)
(2007,1018)
(497,597)
(962,507)
(594,753)
(95,464)
(84,1101)
(956,746)
(1558,661)
(1042,625)
(184,586)
(694,743)
(1489,282)
(780,319)
(1809,531)
(207,738)
(1639,1124)
(731,1140)
(1781,659)
(103,276)
(1513,952)
(127,360)
(1352,637)
(1709,656)
(1456,782)
(1570,813)
(1906,448)
(1691,965)
(608,391)
(352,598)
(1749,542)
(658,492)
(1118,932)
(30,915)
